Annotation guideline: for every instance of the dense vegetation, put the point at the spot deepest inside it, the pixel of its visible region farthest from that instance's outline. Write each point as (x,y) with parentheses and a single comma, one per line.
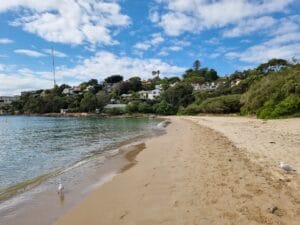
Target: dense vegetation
(272,90)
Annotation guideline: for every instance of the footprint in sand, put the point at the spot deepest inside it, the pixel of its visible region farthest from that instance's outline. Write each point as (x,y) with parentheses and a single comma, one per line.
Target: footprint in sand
(176,203)
(123,215)
(254,189)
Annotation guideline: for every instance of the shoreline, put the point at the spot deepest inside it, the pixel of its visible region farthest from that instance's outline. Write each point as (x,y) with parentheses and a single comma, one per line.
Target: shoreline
(193,174)
(84,114)
(88,174)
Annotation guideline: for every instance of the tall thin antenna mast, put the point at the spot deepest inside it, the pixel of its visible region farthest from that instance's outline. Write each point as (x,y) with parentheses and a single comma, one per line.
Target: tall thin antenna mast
(53,64)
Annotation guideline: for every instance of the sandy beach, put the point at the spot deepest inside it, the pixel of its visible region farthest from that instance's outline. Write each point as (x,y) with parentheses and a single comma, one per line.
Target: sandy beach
(204,170)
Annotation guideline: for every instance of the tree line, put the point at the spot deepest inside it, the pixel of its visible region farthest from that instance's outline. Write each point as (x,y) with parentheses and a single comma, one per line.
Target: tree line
(270,90)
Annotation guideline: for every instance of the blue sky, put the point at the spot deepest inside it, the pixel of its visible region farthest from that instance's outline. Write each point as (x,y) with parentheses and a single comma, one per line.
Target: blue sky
(95,39)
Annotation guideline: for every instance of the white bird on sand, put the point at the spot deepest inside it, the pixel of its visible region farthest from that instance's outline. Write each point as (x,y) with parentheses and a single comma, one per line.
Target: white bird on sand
(60,189)
(286,167)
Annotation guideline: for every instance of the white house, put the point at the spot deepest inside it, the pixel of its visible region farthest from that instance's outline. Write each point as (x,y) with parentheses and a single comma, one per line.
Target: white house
(235,82)
(206,86)
(153,94)
(68,91)
(112,106)
(143,94)
(8,99)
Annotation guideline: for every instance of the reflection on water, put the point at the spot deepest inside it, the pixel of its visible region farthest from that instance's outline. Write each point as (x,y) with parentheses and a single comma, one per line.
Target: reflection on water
(34,147)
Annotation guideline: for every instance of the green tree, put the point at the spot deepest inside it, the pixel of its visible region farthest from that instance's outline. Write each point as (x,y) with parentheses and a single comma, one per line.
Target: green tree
(196,65)
(102,99)
(88,102)
(211,75)
(92,82)
(273,65)
(113,79)
(135,84)
(164,108)
(179,95)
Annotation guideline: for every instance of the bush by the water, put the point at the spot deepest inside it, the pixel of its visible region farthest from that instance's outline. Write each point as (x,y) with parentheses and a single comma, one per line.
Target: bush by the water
(275,95)
(191,109)
(221,104)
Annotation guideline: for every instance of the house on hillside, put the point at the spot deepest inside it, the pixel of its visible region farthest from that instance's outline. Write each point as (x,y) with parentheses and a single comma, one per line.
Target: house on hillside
(26,93)
(235,82)
(89,88)
(208,86)
(72,90)
(68,91)
(115,106)
(8,99)
(152,94)
(143,95)
(126,96)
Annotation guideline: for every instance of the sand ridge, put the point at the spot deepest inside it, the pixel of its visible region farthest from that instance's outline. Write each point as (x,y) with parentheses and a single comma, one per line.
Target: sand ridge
(191,175)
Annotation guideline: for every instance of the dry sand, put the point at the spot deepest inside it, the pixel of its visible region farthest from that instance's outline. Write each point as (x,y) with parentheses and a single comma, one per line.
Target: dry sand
(196,175)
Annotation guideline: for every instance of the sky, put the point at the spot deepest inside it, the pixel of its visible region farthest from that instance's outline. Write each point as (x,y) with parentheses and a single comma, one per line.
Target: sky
(98,38)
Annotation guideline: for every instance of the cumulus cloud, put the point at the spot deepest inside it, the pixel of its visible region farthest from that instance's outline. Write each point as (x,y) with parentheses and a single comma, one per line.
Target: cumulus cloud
(283,41)
(99,66)
(13,84)
(68,21)
(155,40)
(104,63)
(262,53)
(197,15)
(153,16)
(6,41)
(250,26)
(55,53)
(30,53)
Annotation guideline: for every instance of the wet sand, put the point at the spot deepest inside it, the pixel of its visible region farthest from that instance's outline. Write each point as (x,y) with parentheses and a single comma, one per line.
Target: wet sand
(196,175)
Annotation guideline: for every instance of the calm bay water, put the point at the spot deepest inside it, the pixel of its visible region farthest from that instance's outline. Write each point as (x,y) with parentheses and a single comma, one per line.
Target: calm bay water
(35,146)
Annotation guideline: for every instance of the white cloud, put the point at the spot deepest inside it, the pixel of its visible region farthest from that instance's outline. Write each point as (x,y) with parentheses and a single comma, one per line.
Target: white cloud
(13,84)
(282,46)
(30,53)
(55,53)
(250,26)
(6,41)
(283,41)
(142,46)
(175,48)
(101,65)
(213,41)
(178,45)
(105,63)
(262,53)
(197,15)
(153,16)
(68,21)
(155,40)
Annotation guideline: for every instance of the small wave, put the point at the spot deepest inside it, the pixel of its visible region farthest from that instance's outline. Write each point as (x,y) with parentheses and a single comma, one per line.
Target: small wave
(163,124)
(112,153)
(7,193)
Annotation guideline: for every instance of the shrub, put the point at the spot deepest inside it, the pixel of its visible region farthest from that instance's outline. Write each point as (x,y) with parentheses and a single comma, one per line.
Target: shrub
(145,107)
(275,95)
(179,95)
(164,108)
(289,106)
(222,104)
(132,107)
(115,111)
(192,109)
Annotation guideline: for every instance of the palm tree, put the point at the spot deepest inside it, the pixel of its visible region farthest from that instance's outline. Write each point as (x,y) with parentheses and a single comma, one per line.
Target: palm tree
(156,73)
